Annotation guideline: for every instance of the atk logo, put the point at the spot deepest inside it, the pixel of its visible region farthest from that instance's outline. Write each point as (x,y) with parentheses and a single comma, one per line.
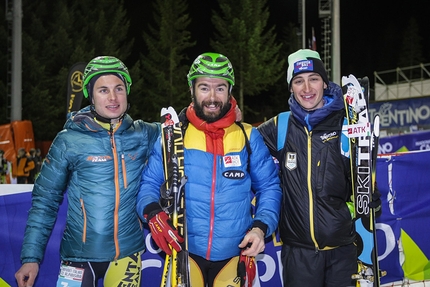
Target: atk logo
(99,158)
(291,160)
(359,130)
(233,174)
(232,160)
(305,65)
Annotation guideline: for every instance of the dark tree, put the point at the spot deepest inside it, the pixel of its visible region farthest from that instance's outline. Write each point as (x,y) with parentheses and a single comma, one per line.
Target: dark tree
(243,36)
(164,68)
(56,35)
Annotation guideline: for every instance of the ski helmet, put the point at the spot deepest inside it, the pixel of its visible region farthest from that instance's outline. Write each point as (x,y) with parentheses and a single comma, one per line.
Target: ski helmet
(211,65)
(105,65)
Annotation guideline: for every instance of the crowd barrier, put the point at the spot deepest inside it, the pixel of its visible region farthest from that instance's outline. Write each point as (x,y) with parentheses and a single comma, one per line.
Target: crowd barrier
(402,230)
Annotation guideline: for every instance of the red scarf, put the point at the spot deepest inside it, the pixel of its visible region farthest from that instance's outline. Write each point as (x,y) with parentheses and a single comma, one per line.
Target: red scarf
(214,131)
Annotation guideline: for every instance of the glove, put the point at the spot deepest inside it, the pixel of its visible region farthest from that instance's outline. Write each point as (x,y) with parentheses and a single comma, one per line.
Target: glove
(163,232)
(246,269)
(376,202)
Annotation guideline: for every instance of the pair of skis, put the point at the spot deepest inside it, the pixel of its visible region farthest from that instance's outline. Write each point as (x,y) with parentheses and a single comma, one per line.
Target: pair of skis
(176,266)
(363,140)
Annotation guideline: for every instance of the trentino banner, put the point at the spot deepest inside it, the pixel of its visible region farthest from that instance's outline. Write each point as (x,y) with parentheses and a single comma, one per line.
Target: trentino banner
(401,113)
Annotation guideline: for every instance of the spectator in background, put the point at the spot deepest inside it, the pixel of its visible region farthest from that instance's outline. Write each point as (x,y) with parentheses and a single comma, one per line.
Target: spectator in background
(24,164)
(38,161)
(5,168)
(33,172)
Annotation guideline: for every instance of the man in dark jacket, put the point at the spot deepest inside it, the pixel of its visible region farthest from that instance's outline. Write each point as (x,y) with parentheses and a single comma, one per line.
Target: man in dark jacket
(316,226)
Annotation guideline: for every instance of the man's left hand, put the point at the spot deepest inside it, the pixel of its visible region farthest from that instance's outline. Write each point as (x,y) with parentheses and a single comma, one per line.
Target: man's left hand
(253,242)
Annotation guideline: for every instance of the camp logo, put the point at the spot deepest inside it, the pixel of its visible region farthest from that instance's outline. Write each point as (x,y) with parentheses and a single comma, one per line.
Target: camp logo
(233,174)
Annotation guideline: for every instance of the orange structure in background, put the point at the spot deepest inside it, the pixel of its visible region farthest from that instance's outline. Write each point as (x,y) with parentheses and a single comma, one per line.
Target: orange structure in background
(17,134)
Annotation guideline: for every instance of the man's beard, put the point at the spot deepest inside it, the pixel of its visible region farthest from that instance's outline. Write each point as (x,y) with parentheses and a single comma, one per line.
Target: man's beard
(212,116)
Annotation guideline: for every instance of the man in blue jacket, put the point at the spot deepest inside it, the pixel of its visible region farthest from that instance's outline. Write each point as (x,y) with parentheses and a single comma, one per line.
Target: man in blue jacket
(218,206)
(98,158)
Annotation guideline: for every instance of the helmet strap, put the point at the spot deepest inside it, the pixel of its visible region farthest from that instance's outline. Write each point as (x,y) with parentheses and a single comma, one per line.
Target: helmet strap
(107,120)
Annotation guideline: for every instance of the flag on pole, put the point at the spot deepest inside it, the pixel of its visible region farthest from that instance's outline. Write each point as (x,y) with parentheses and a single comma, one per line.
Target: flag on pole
(314,40)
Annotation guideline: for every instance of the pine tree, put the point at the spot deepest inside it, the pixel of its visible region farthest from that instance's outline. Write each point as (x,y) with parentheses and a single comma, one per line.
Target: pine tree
(56,35)
(164,67)
(291,42)
(243,36)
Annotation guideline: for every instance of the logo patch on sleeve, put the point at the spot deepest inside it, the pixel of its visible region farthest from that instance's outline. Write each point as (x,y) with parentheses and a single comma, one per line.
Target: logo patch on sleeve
(232,160)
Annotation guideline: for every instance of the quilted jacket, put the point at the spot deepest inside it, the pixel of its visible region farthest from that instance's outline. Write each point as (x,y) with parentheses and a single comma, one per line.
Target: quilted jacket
(219,190)
(99,171)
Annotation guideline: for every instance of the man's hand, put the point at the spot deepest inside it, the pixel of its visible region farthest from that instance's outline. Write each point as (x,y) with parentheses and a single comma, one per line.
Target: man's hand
(254,241)
(26,275)
(164,233)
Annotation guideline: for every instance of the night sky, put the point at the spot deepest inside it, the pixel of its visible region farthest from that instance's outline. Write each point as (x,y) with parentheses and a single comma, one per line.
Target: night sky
(371,30)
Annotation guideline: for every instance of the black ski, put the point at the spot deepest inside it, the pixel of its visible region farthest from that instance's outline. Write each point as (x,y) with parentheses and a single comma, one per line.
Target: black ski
(176,266)
(363,152)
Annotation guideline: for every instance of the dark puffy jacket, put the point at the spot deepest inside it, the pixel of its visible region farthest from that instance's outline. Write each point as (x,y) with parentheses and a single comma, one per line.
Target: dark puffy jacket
(100,171)
(218,190)
(315,175)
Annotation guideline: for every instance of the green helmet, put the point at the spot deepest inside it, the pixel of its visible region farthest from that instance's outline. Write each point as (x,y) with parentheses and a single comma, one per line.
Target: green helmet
(212,65)
(103,65)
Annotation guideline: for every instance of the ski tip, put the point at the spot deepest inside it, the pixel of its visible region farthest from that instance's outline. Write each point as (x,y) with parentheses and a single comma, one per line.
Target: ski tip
(350,80)
(166,110)
(170,111)
(376,125)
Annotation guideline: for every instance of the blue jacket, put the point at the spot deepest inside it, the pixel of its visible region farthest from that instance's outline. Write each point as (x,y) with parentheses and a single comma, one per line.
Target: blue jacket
(218,192)
(100,171)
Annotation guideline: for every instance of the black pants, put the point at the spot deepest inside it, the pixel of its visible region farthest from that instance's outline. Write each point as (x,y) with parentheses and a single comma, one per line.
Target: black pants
(330,268)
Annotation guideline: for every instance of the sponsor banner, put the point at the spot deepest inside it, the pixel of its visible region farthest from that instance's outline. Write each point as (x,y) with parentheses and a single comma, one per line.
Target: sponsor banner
(403,246)
(74,87)
(407,142)
(401,113)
